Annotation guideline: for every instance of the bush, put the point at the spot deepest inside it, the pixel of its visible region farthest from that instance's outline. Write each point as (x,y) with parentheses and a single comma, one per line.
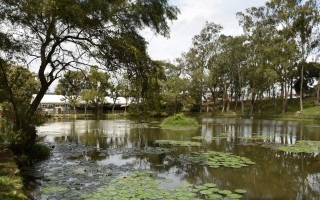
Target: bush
(179,121)
(39,152)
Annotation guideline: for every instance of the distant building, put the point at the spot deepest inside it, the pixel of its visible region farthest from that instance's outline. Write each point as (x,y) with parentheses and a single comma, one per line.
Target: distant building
(57,104)
(53,104)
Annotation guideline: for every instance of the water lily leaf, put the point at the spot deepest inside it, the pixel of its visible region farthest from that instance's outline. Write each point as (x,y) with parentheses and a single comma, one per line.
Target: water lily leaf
(215,196)
(303,146)
(210,185)
(225,192)
(205,192)
(234,196)
(178,143)
(201,187)
(240,191)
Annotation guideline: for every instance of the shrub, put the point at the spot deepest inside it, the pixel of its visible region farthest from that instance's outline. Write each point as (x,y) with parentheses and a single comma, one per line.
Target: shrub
(179,121)
(39,152)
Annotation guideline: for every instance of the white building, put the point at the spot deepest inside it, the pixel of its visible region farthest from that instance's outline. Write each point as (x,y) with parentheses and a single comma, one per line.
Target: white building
(54,104)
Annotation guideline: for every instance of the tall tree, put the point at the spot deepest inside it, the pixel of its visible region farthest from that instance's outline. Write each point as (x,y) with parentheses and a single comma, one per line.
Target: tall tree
(70,86)
(198,59)
(58,35)
(17,84)
(98,86)
(174,88)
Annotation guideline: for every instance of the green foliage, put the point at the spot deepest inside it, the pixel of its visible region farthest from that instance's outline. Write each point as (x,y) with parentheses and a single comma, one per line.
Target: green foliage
(179,121)
(11,184)
(96,88)
(216,159)
(16,89)
(146,185)
(59,35)
(39,152)
(303,146)
(178,143)
(71,85)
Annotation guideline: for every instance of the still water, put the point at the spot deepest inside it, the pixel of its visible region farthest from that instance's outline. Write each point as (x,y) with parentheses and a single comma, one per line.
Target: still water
(276,174)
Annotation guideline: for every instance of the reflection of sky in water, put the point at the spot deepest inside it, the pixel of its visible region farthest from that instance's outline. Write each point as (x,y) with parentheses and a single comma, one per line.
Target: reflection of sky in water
(313,181)
(284,132)
(118,160)
(121,134)
(108,128)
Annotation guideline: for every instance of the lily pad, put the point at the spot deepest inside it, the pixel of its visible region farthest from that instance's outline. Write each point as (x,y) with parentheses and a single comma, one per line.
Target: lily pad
(206,192)
(53,189)
(210,185)
(234,196)
(209,137)
(225,192)
(303,146)
(215,196)
(178,143)
(240,191)
(215,159)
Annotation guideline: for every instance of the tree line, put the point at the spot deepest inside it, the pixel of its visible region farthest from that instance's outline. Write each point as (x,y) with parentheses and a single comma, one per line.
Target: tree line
(55,36)
(277,53)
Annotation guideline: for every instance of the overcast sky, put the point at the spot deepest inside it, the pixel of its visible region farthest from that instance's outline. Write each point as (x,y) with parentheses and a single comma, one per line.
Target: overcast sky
(191,20)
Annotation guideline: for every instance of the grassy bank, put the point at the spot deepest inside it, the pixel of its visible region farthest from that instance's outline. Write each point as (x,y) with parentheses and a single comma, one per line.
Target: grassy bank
(11,185)
(270,108)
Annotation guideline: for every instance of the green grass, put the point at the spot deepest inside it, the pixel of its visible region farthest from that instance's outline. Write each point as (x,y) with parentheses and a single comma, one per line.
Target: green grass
(273,108)
(179,121)
(11,185)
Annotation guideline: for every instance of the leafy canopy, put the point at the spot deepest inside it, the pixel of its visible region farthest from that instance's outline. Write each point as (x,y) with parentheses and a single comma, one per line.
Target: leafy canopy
(59,34)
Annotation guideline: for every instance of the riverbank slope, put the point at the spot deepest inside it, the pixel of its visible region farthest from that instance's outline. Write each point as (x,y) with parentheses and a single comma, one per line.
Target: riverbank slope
(11,184)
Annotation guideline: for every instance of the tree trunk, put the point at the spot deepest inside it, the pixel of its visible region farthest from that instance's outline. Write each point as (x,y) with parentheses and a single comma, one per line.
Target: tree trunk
(252,103)
(74,111)
(301,89)
(318,93)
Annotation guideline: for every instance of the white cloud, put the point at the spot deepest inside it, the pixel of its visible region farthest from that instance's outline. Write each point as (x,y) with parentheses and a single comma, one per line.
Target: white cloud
(194,14)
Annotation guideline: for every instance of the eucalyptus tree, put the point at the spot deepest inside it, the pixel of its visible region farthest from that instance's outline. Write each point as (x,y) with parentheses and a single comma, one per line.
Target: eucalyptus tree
(299,20)
(174,88)
(145,90)
(228,63)
(70,86)
(119,87)
(259,70)
(98,86)
(297,23)
(57,35)
(198,59)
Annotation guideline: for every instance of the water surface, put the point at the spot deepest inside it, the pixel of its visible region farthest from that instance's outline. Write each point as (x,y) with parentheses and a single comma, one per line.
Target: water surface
(276,174)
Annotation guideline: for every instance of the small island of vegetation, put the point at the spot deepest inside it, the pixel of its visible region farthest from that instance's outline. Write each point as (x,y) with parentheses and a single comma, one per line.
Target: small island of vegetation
(179,121)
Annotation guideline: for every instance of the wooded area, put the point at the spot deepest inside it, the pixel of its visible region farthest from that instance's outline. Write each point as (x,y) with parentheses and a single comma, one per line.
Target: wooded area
(96,49)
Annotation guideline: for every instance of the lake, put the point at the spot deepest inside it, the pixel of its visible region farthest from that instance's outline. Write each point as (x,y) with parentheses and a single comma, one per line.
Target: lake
(123,143)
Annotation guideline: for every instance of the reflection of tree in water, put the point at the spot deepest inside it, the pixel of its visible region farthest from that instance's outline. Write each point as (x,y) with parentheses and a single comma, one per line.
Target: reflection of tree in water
(277,174)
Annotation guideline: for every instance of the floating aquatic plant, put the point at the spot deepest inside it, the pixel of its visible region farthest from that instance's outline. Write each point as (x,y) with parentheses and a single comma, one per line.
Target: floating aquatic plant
(178,143)
(216,159)
(209,137)
(303,146)
(53,189)
(146,185)
(240,191)
(155,150)
(255,137)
